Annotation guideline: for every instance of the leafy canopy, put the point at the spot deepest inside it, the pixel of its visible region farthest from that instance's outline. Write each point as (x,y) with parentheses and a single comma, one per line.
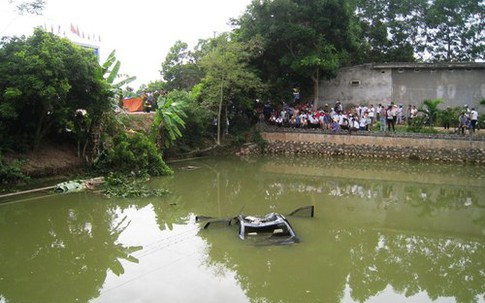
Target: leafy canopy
(301,40)
(426,30)
(44,79)
(180,69)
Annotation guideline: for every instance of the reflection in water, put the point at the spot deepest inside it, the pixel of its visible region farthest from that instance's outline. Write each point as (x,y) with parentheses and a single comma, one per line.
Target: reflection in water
(443,267)
(372,237)
(416,232)
(49,245)
(368,261)
(431,197)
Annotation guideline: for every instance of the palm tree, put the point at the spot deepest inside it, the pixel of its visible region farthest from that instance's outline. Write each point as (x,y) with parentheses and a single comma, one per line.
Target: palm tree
(431,110)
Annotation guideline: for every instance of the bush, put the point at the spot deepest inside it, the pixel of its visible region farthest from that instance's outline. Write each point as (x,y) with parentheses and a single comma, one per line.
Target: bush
(10,173)
(418,126)
(197,128)
(134,155)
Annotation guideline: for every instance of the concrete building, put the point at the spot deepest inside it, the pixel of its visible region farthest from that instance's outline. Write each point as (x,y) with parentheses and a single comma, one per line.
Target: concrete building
(18,25)
(407,83)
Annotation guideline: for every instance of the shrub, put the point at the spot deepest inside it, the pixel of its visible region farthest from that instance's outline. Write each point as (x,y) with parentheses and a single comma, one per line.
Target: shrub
(417,126)
(135,155)
(10,173)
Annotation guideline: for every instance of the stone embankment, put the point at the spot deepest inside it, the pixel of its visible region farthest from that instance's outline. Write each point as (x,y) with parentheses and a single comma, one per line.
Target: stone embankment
(425,147)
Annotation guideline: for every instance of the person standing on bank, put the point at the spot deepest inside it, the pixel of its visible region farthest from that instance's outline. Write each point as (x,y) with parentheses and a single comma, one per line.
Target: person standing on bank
(382,118)
(473,119)
(391,118)
(463,123)
(372,115)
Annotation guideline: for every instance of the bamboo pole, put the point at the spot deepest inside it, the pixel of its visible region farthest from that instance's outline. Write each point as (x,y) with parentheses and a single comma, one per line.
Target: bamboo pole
(27,191)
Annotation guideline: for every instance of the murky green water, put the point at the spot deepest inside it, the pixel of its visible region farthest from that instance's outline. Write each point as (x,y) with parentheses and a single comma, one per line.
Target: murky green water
(383,232)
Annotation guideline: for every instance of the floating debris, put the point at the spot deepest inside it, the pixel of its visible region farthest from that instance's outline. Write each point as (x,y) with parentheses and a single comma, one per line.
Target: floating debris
(190,167)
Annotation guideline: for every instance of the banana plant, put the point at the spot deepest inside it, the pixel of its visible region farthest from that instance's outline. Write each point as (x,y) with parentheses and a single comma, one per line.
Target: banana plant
(110,73)
(111,70)
(169,119)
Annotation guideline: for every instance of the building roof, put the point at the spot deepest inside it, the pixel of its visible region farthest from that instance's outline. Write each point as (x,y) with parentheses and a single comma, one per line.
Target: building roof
(412,65)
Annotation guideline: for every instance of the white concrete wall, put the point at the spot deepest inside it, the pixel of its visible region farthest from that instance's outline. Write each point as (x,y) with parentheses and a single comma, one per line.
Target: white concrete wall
(456,86)
(368,84)
(358,84)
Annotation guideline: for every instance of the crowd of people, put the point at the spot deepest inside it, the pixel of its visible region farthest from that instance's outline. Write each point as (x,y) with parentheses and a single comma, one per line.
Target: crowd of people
(335,118)
(355,118)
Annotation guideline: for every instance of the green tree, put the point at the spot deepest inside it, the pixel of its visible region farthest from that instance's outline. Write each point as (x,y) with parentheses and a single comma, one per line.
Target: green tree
(436,30)
(230,84)
(180,70)
(390,28)
(303,41)
(431,110)
(196,132)
(456,30)
(44,79)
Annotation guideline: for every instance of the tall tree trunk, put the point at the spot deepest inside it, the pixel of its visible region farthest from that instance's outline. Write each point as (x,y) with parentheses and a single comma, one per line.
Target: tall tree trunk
(43,127)
(316,88)
(38,133)
(219,114)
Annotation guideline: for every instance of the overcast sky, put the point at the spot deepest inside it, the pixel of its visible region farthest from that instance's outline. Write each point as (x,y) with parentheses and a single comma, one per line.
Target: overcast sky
(140,31)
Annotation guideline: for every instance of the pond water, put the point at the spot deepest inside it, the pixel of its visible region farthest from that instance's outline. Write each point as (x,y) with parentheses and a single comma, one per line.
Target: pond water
(382,232)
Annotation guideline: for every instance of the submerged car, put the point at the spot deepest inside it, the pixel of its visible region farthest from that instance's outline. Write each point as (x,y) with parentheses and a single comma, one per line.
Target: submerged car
(271,229)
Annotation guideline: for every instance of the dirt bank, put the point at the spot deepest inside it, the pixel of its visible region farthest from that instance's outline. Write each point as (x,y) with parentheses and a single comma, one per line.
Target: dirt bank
(50,160)
(57,160)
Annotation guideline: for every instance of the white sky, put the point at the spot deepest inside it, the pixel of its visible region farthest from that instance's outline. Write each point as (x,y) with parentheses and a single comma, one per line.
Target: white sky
(141,31)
